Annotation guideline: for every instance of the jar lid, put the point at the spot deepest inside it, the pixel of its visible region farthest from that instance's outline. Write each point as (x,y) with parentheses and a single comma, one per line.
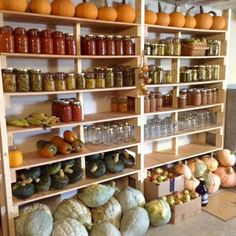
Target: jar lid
(127,37)
(35,71)
(110,36)
(101,36)
(22,70)
(8,70)
(76,102)
(70,75)
(197,91)
(147,44)
(119,36)
(69,34)
(108,69)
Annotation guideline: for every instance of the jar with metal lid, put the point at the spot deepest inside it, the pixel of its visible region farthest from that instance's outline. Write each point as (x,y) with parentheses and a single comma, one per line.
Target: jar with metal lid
(153,102)
(185,76)
(55,107)
(159,101)
(46,42)
(82,45)
(34,41)
(169,47)
(65,112)
(160,75)
(36,81)
(114,104)
(177,47)
(123,104)
(210,50)
(128,76)
(217,47)
(21,40)
(76,111)
(70,44)
(168,77)
(9,80)
(89,45)
(204,96)
(159,49)
(208,70)
(182,101)
(109,78)
(90,80)
(167,100)
(60,81)
(194,75)
(127,45)
(209,96)
(189,96)
(80,81)
(214,95)
(110,45)
(48,82)
(131,104)
(59,43)
(22,80)
(100,80)
(201,73)
(215,72)
(147,49)
(119,79)
(152,73)
(100,45)
(70,81)
(7,43)
(146,104)
(196,97)
(119,45)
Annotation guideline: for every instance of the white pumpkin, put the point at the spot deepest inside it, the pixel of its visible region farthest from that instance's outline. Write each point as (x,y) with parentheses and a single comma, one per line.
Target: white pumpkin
(105,229)
(129,198)
(212,182)
(210,162)
(226,158)
(191,184)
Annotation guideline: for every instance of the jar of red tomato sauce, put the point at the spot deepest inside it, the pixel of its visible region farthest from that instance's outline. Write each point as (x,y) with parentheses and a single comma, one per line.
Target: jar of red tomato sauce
(76,111)
(65,112)
(34,41)
(21,40)
(46,42)
(59,43)
(7,39)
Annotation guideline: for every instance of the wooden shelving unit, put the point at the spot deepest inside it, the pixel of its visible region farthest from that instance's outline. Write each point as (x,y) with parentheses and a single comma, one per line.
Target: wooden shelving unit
(198,141)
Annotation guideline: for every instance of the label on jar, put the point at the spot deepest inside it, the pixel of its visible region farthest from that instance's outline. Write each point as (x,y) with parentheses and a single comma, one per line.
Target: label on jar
(205,198)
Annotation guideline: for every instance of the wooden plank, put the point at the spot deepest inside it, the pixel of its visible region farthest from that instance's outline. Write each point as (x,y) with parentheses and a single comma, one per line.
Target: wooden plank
(186,57)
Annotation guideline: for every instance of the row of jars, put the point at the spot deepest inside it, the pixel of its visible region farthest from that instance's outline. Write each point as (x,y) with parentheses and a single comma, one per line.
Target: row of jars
(122,104)
(107,45)
(197,97)
(199,73)
(67,109)
(158,75)
(110,133)
(21,40)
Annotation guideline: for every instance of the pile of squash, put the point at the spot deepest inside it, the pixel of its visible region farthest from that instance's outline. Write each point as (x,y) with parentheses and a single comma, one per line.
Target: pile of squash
(97,165)
(41,179)
(123,12)
(99,210)
(202,20)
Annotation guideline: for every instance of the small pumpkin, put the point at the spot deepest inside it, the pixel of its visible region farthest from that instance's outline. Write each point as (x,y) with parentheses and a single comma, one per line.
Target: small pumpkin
(227,176)
(96,169)
(74,174)
(226,157)
(51,169)
(94,157)
(183,169)
(32,173)
(219,22)
(46,149)
(2,7)
(62,146)
(127,158)
(125,12)
(77,146)
(65,165)
(15,158)
(197,167)
(150,17)
(210,162)
(177,19)
(190,21)
(105,229)
(212,182)
(40,7)
(86,10)
(107,13)
(43,183)
(23,189)
(113,162)
(63,8)
(162,17)
(13,5)
(191,184)
(60,180)
(204,20)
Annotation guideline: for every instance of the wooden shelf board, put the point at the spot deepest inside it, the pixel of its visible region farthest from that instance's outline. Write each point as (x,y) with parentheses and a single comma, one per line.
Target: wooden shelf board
(182,133)
(33,159)
(60,20)
(169,29)
(165,157)
(184,84)
(49,56)
(88,119)
(69,91)
(185,57)
(72,187)
(188,108)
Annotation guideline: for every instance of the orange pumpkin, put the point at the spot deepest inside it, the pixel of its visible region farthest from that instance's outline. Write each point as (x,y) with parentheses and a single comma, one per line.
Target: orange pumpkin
(86,10)
(162,17)
(107,13)
(40,7)
(63,8)
(2,5)
(227,176)
(218,21)
(15,158)
(204,20)
(183,169)
(13,5)
(177,19)
(190,21)
(125,13)
(150,17)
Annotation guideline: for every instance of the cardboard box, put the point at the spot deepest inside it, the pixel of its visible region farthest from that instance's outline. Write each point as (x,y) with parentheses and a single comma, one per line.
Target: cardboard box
(185,211)
(154,191)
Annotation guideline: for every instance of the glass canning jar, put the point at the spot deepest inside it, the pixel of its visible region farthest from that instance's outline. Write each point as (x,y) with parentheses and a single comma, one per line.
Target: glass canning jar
(159,101)
(60,81)
(114,104)
(152,73)
(215,72)
(177,47)
(182,100)
(201,73)
(80,81)
(153,102)
(119,45)
(9,80)
(169,47)
(100,45)
(208,69)
(168,77)
(90,80)
(21,40)
(128,75)
(46,42)
(189,96)
(22,80)
(7,43)
(146,104)
(89,45)
(70,81)
(110,45)
(59,43)
(147,49)
(214,95)
(100,79)
(76,111)
(123,104)
(196,97)
(48,82)
(65,112)
(204,96)
(127,45)
(109,78)
(34,41)
(119,79)
(36,81)
(70,44)
(209,96)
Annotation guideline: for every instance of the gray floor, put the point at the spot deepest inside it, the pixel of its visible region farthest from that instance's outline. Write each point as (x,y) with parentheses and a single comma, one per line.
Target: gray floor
(203,224)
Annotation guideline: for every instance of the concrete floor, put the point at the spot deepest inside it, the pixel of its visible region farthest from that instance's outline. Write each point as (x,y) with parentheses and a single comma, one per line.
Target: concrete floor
(202,224)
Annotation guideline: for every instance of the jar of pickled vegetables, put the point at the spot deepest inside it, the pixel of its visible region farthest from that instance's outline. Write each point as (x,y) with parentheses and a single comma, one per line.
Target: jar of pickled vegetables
(100,79)
(123,104)
(168,77)
(36,81)
(169,47)
(118,79)
(70,81)
(208,70)
(177,47)
(215,72)
(60,81)
(48,82)
(22,80)
(109,78)
(90,80)
(201,73)
(160,75)
(80,81)
(9,80)
(147,49)
(128,76)
(59,43)
(158,49)
(114,104)
(152,73)
(194,75)
(185,76)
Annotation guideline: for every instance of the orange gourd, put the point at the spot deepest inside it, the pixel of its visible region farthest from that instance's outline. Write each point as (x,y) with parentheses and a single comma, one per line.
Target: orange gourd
(15,5)
(40,7)
(63,8)
(210,162)
(162,17)
(107,13)
(125,13)
(226,158)
(204,20)
(177,19)
(218,21)
(150,17)
(190,21)
(227,176)
(2,5)
(15,158)
(86,10)
(62,146)
(183,169)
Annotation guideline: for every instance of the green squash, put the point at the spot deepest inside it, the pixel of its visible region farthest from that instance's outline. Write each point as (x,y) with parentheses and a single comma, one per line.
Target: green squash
(68,227)
(127,159)
(75,209)
(95,169)
(67,164)
(60,180)
(24,189)
(105,229)
(51,169)
(32,173)
(113,162)
(43,183)
(94,157)
(38,223)
(75,174)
